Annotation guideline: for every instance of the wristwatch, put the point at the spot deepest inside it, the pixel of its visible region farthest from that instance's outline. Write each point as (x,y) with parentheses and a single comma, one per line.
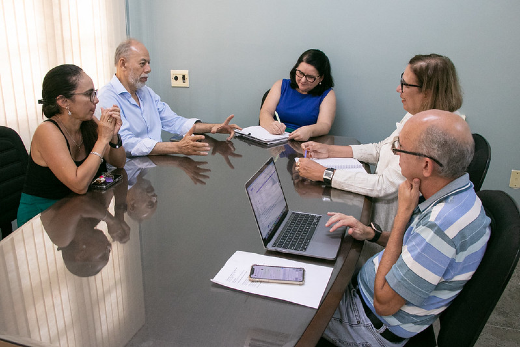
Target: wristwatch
(377,230)
(327,176)
(118,144)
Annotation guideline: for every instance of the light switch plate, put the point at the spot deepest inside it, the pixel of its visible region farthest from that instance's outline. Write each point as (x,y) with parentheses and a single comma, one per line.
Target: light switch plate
(514,182)
(180,78)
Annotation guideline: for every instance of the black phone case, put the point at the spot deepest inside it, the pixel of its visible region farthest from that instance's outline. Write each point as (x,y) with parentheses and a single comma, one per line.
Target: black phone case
(105,181)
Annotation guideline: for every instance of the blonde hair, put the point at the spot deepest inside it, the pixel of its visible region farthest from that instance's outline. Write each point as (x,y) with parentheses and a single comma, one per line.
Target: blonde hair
(437,74)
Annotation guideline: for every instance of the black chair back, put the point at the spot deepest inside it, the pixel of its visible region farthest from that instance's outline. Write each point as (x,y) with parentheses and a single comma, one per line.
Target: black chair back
(464,319)
(478,167)
(13,159)
(263,97)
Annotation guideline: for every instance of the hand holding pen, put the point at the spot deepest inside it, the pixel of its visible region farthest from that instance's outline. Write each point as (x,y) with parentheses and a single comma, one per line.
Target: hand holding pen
(276,127)
(316,150)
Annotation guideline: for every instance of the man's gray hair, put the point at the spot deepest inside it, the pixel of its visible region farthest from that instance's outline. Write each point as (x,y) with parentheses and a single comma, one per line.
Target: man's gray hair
(123,50)
(454,153)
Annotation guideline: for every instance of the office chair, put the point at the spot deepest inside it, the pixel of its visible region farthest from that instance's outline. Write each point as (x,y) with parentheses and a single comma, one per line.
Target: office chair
(265,96)
(462,322)
(478,167)
(263,99)
(13,159)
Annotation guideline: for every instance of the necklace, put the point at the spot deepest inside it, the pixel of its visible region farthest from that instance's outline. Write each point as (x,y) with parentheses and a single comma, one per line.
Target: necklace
(72,138)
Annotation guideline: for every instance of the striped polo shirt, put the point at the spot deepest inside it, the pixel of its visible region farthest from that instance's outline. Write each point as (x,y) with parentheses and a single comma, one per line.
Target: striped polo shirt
(442,247)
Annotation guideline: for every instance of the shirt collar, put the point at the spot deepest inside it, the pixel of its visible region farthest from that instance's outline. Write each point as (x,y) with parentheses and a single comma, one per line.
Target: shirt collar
(118,86)
(459,184)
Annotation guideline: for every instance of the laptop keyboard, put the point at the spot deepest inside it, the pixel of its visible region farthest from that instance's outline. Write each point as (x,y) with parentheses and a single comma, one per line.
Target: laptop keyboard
(298,231)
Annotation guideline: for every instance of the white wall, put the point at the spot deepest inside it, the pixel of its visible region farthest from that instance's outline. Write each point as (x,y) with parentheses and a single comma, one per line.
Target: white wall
(236,49)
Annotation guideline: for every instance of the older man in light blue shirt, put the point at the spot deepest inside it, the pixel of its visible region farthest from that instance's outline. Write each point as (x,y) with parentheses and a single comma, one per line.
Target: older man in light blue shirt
(143,113)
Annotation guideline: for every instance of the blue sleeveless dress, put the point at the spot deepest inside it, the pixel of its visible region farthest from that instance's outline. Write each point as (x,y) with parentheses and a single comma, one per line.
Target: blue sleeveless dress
(295,109)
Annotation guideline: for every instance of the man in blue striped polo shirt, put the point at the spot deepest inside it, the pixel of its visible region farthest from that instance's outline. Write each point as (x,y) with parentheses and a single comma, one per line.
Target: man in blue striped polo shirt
(438,239)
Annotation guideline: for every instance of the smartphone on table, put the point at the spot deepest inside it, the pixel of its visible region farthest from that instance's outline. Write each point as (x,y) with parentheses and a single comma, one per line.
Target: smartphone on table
(105,181)
(277,274)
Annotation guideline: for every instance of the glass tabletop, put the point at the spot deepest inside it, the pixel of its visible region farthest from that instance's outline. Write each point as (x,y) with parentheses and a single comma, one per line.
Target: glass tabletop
(131,266)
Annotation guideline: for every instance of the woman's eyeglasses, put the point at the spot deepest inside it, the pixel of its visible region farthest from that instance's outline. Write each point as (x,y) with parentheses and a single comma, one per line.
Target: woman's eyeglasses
(92,93)
(309,78)
(403,83)
(395,150)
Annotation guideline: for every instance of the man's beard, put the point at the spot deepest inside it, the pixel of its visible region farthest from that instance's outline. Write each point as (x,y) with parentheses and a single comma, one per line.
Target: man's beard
(136,80)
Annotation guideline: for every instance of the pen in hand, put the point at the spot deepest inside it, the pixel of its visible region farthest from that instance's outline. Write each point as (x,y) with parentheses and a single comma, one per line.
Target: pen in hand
(305,154)
(277,117)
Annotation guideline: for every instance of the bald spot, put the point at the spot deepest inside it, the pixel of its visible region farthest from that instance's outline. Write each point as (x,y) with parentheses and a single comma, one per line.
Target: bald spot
(445,121)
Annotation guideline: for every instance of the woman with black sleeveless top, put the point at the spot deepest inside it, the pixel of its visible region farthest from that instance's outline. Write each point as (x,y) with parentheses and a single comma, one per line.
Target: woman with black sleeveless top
(70,148)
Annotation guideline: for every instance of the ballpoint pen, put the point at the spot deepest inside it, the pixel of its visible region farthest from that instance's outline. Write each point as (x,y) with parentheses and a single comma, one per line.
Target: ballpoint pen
(277,117)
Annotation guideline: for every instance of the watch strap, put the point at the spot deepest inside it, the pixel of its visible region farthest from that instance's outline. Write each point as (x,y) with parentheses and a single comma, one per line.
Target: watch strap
(118,144)
(377,230)
(328,174)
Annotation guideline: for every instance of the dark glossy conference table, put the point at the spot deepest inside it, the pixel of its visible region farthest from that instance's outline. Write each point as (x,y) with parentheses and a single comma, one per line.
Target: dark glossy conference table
(132,266)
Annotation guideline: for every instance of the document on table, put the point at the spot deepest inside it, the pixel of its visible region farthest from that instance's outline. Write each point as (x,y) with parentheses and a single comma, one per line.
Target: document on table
(259,134)
(350,164)
(235,274)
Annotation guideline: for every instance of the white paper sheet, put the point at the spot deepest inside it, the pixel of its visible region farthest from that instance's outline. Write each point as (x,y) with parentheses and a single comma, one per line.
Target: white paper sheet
(235,274)
(350,164)
(260,133)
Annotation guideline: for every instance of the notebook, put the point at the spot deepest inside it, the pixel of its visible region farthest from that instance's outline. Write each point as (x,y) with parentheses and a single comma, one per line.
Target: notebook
(260,135)
(272,214)
(350,164)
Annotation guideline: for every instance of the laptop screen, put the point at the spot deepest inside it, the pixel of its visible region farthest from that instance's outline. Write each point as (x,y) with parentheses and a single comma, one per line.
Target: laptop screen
(267,199)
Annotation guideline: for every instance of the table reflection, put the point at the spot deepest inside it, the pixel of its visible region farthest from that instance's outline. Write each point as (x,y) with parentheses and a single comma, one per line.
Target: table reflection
(73,275)
(72,224)
(225,148)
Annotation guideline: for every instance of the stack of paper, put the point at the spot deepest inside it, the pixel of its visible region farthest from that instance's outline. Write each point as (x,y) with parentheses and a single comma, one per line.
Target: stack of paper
(260,135)
(235,274)
(340,163)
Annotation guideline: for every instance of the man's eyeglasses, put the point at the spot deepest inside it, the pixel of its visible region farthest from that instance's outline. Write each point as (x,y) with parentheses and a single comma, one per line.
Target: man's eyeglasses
(92,93)
(309,78)
(395,150)
(403,83)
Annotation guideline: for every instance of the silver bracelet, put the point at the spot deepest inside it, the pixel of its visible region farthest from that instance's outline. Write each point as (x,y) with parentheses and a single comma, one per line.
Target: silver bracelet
(99,155)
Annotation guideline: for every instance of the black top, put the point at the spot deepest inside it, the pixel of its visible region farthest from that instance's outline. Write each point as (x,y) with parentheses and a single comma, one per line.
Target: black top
(40,181)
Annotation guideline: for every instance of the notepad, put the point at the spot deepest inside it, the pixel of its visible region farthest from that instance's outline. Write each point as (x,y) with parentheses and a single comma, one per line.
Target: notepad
(340,163)
(235,273)
(260,135)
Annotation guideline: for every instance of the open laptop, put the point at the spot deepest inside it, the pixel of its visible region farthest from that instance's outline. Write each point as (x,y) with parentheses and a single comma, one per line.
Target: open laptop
(272,215)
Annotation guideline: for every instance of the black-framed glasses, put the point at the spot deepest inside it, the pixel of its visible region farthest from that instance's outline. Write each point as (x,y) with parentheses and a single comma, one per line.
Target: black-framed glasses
(396,149)
(309,78)
(91,93)
(403,83)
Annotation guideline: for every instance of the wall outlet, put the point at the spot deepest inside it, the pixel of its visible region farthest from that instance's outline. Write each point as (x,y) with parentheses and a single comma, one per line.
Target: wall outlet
(514,182)
(180,78)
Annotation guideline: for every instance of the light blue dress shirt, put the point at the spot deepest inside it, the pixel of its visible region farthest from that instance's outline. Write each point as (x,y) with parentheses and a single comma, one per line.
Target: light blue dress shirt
(142,125)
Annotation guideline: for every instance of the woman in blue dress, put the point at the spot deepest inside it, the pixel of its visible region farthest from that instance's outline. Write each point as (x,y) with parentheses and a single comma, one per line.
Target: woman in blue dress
(305,104)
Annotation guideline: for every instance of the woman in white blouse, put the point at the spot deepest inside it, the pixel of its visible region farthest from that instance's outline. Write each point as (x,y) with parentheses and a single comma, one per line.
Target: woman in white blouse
(428,82)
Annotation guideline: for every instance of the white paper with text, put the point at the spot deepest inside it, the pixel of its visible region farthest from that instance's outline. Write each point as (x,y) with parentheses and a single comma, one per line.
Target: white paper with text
(235,274)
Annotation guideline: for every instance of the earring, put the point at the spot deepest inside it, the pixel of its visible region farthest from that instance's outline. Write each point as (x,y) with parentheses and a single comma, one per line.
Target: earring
(319,83)
(68,111)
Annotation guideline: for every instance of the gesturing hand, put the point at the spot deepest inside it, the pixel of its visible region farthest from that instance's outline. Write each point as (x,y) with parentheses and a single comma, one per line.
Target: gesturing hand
(226,128)
(190,145)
